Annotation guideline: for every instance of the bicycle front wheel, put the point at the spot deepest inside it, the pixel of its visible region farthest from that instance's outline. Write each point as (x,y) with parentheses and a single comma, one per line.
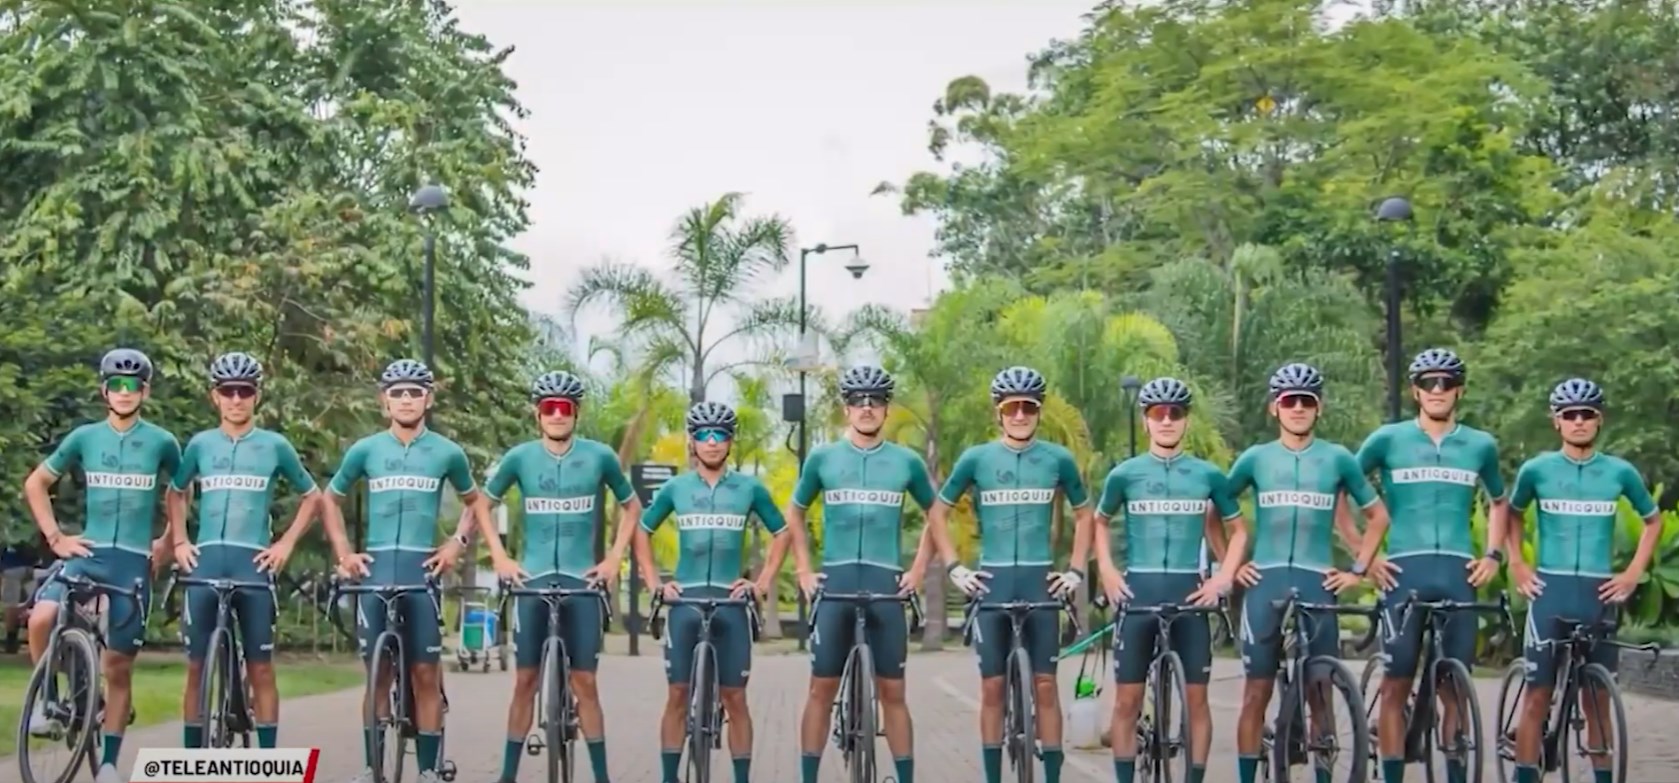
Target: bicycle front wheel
(1457,724)
(214,691)
(65,689)
(1323,720)
(860,698)
(702,713)
(1510,692)
(556,696)
(1168,745)
(1020,720)
(385,732)
(1597,721)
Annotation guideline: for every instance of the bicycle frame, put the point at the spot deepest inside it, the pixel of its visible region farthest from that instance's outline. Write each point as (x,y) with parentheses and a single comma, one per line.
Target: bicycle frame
(400,698)
(1574,653)
(1436,615)
(1019,730)
(1153,742)
(236,716)
(704,731)
(556,666)
(1295,621)
(859,603)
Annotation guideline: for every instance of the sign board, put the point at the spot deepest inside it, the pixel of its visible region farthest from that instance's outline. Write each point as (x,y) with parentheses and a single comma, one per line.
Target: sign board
(647,477)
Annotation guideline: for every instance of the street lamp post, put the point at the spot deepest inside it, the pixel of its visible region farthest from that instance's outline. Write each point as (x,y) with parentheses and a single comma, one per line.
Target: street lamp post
(1393,210)
(426,202)
(1131,384)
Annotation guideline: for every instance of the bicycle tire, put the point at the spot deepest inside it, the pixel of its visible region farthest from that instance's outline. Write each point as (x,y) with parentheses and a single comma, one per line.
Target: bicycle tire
(213,691)
(1511,688)
(702,696)
(73,654)
(1469,715)
(1169,691)
(1021,717)
(1340,681)
(386,733)
(862,722)
(553,694)
(1370,687)
(1594,675)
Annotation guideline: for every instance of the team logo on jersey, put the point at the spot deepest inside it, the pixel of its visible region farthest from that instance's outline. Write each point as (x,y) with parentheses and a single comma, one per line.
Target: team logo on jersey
(711,521)
(1578,508)
(1166,507)
(578,505)
(862,497)
(1466,478)
(1016,497)
(409,483)
(140,481)
(1320,501)
(233,482)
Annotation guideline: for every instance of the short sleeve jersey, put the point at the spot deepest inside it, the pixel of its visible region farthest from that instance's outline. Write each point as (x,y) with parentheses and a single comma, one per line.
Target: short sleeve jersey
(1014,493)
(1577,503)
(1165,504)
(558,494)
(862,493)
(711,524)
(1429,488)
(404,486)
(1294,500)
(236,478)
(120,470)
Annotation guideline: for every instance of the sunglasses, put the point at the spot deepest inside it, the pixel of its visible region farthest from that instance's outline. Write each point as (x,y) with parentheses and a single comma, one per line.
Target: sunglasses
(865,401)
(124,383)
(711,436)
(1306,401)
(557,406)
(1438,383)
(1578,414)
(405,392)
(1166,412)
(236,391)
(1019,408)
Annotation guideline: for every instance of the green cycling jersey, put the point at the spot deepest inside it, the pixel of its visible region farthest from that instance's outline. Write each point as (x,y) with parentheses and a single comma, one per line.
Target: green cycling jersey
(404,486)
(1165,501)
(120,469)
(1014,490)
(712,521)
(862,493)
(1429,487)
(1294,500)
(236,483)
(1577,502)
(559,493)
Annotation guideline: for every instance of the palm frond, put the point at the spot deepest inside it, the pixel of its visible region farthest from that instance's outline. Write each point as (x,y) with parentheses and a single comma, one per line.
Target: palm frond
(645,302)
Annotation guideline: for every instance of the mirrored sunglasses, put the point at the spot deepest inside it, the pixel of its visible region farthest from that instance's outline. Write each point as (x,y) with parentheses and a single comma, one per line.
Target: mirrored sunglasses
(124,383)
(236,391)
(711,435)
(1019,408)
(557,406)
(1166,412)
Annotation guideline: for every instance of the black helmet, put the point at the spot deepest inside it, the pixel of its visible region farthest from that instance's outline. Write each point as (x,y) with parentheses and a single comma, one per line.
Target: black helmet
(1576,393)
(406,371)
(125,362)
(1018,382)
(1437,360)
(235,367)
(711,416)
(1164,391)
(557,384)
(866,379)
(1295,378)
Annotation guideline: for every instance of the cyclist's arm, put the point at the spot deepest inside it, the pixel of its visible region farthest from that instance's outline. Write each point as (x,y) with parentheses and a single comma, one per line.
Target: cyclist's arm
(763,506)
(655,515)
(1345,527)
(1229,546)
(1521,497)
(629,505)
(937,534)
(1498,503)
(352,470)
(1101,525)
(798,539)
(479,506)
(175,505)
(37,489)
(1355,485)
(805,492)
(310,507)
(1072,483)
(1632,488)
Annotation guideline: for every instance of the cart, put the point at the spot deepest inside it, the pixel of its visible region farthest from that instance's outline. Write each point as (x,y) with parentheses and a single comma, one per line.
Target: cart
(480,639)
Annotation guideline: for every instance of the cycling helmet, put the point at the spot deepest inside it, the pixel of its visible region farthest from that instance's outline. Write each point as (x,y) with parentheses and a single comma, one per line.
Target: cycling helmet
(711,416)
(125,362)
(1018,382)
(406,371)
(235,367)
(867,379)
(558,384)
(1576,393)
(1295,378)
(1164,391)
(1437,360)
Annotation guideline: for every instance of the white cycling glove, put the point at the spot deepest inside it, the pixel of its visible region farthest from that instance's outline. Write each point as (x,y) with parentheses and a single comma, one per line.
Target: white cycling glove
(1066,583)
(966,579)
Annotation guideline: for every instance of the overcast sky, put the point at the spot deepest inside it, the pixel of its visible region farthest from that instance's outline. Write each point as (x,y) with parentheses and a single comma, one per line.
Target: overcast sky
(643,109)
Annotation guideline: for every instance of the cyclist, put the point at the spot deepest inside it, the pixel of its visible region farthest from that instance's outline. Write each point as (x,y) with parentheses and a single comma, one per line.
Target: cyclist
(1577,488)
(235,465)
(1165,495)
(862,481)
(405,467)
(1296,480)
(1429,468)
(1015,480)
(120,459)
(558,476)
(712,506)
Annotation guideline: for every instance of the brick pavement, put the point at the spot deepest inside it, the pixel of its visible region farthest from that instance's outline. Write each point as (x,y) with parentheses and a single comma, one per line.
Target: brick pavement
(943,690)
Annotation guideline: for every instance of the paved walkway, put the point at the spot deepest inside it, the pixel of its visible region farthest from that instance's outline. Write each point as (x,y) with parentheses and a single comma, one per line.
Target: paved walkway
(943,691)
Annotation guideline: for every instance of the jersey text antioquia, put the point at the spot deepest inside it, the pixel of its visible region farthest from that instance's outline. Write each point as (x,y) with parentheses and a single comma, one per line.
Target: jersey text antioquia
(141,481)
(1319,501)
(578,505)
(1164,507)
(398,483)
(862,497)
(1016,497)
(1467,478)
(233,482)
(1579,508)
(711,521)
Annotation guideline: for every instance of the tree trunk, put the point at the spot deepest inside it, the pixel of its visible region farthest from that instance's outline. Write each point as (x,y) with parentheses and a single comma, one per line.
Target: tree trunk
(938,624)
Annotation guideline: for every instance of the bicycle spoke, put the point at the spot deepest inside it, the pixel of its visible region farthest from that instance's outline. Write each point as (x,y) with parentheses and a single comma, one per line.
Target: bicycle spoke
(1595,734)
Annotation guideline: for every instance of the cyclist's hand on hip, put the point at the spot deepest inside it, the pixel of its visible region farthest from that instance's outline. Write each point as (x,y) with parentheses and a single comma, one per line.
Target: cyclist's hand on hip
(1527,580)
(1481,571)
(186,555)
(672,591)
(1384,573)
(1114,586)
(743,588)
(969,581)
(67,546)
(507,569)
(1066,583)
(1619,587)
(271,560)
(1340,581)
(354,564)
(1248,575)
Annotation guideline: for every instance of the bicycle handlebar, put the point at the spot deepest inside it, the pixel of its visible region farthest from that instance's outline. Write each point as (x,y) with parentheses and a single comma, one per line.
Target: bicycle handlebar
(977,604)
(1171,611)
(386,593)
(81,585)
(1293,600)
(178,580)
(552,594)
(914,601)
(705,605)
(1413,601)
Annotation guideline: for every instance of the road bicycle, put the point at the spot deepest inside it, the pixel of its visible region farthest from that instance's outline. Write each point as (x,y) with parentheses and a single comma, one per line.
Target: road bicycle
(856,712)
(705,702)
(1439,677)
(1020,709)
(66,685)
(556,705)
(224,698)
(1164,695)
(1599,748)
(1285,743)
(390,731)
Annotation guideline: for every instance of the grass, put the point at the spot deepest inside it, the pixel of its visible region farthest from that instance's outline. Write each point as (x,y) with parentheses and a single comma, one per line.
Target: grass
(159,680)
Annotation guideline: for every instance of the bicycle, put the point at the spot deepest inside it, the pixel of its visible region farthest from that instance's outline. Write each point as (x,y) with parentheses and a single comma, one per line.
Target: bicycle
(705,703)
(1437,674)
(1165,682)
(1575,672)
(1020,711)
(224,699)
(556,705)
(70,665)
(391,731)
(856,712)
(1283,743)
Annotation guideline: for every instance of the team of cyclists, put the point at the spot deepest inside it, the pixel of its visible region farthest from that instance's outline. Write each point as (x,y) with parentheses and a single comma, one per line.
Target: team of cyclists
(1164,505)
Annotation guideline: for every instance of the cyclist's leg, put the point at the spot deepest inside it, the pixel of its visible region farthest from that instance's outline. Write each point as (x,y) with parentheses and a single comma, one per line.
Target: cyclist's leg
(582,636)
(1192,639)
(43,614)
(830,643)
(1458,643)
(198,620)
(530,631)
(370,622)
(682,632)
(888,633)
(126,632)
(1133,651)
(256,612)
(1401,655)
(423,642)
(992,642)
(1540,662)
(1261,640)
(732,635)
